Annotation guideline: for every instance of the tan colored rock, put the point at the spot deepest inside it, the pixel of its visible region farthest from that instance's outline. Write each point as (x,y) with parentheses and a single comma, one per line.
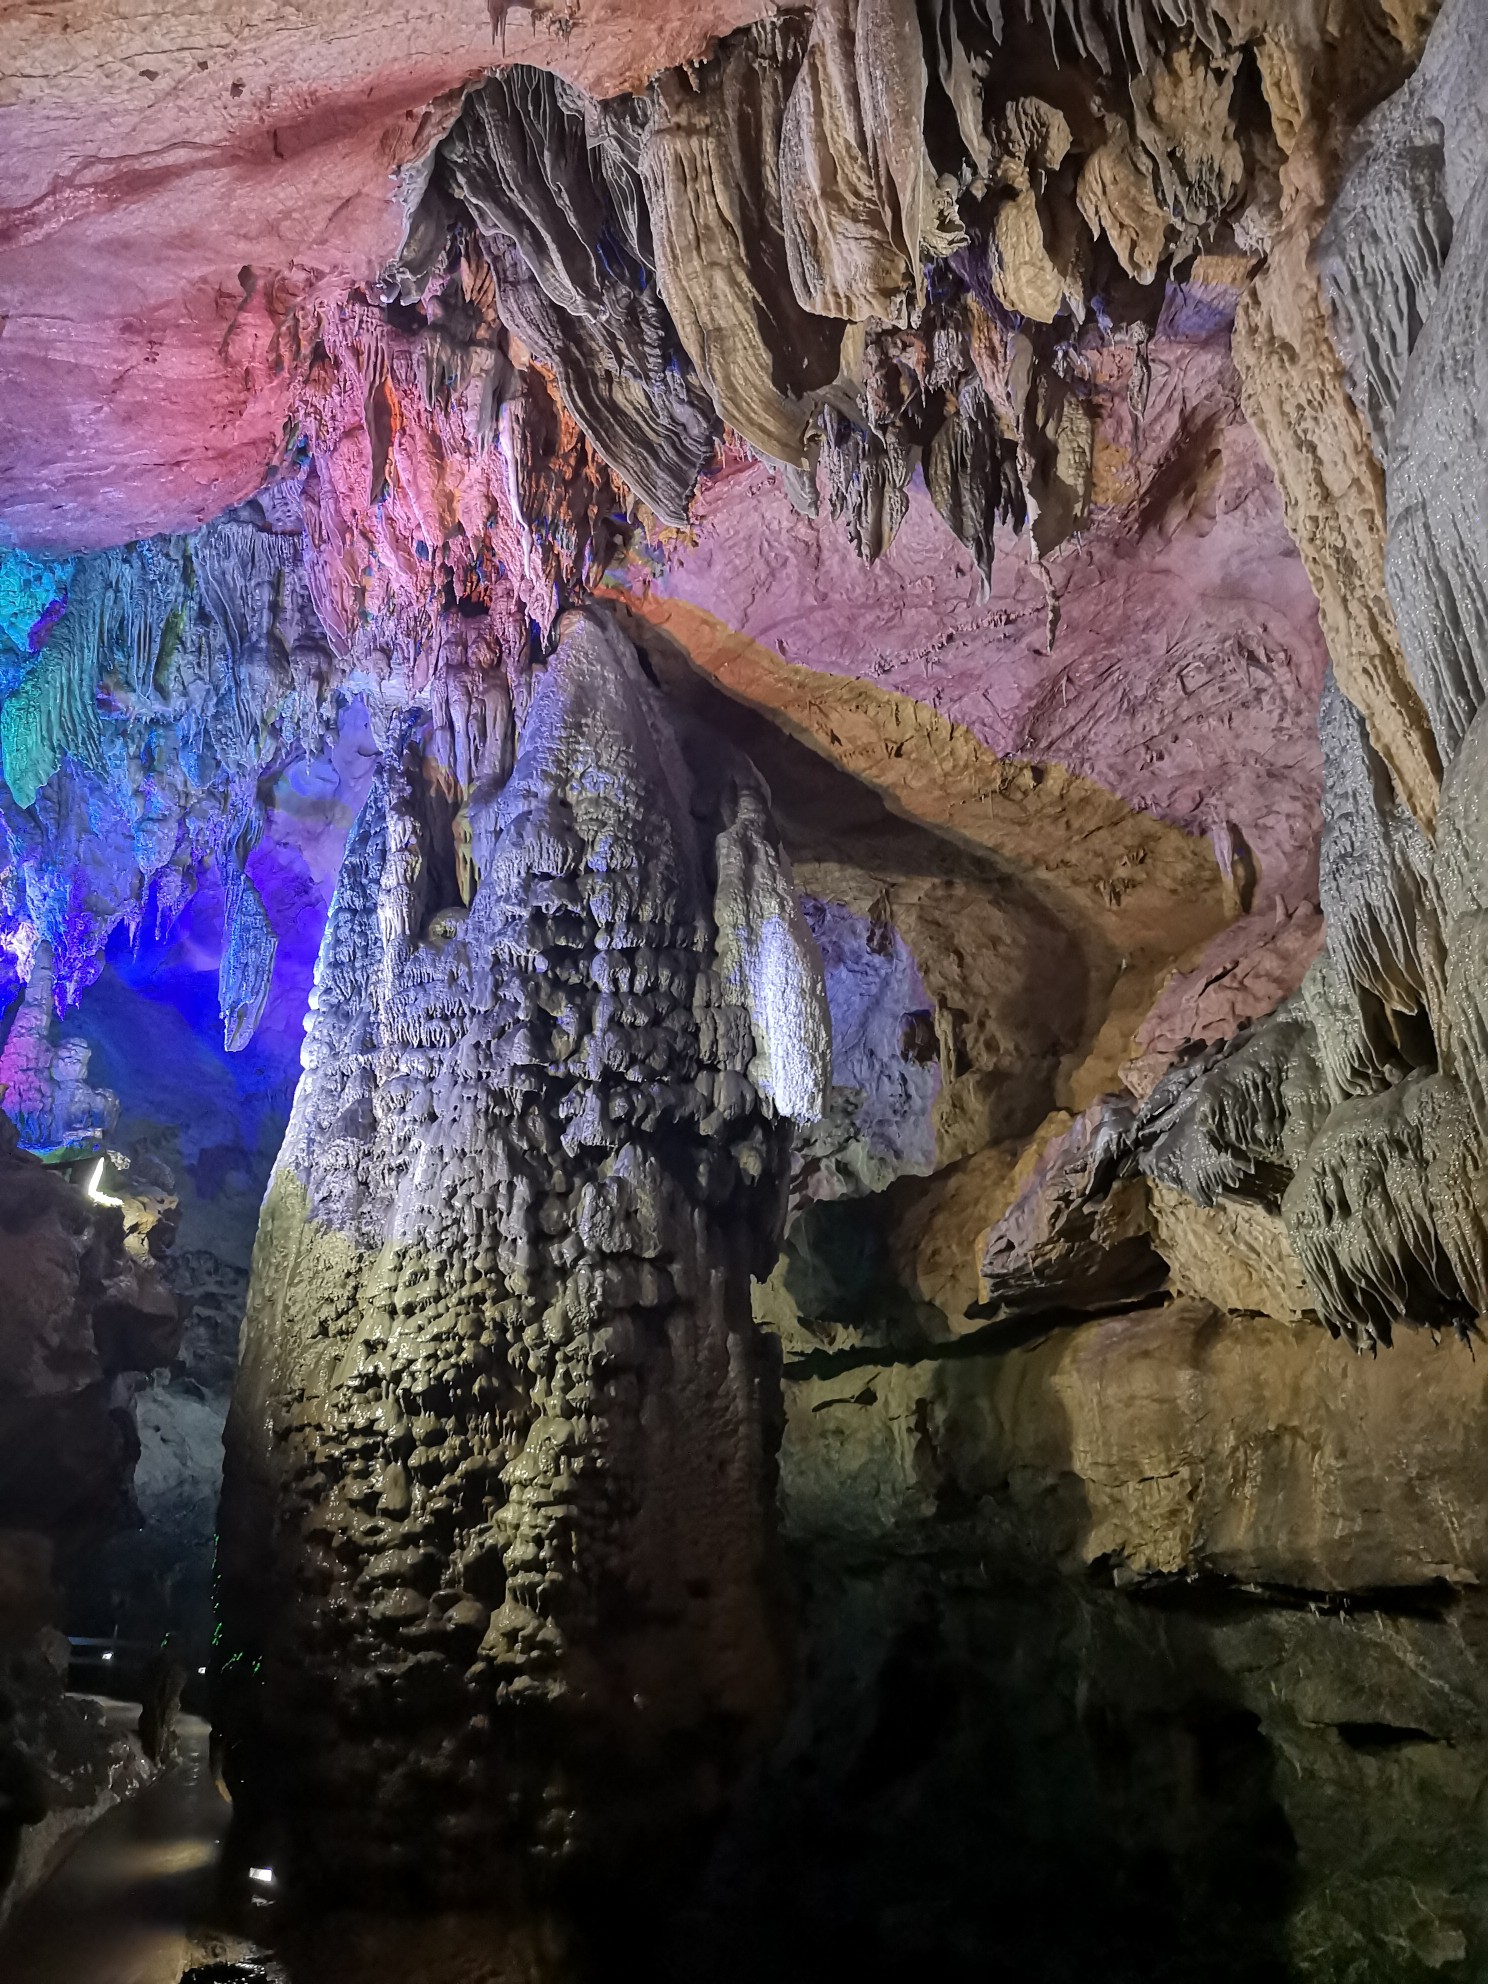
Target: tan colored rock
(711,168)
(933,1244)
(1184,117)
(1038,259)
(1170,1442)
(1320,73)
(1000,979)
(845,260)
(1235,1254)
(1410,21)
(1331,484)
(1115,196)
(1024,276)
(1145,893)
(1070,1237)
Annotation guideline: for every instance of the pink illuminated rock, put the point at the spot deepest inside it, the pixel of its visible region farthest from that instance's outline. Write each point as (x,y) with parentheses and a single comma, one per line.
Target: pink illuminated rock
(176,181)
(1187,663)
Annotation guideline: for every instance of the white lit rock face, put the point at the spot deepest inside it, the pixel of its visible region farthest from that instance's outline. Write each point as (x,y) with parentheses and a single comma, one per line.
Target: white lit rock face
(498,1572)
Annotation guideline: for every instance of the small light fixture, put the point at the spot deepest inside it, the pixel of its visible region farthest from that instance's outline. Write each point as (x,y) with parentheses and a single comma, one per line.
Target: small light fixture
(201,1670)
(264,1876)
(108,1656)
(98,1197)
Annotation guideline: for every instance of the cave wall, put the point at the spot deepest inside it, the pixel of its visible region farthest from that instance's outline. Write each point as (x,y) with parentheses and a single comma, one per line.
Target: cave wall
(1158,1630)
(85,1316)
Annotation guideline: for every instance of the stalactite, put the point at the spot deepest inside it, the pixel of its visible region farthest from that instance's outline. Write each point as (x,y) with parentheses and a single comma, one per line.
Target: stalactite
(179,671)
(1377,883)
(971,474)
(1403,261)
(1364,1214)
(846,227)
(1356,1047)
(1239,1127)
(1116,197)
(579,289)
(710,165)
(248,944)
(1380,258)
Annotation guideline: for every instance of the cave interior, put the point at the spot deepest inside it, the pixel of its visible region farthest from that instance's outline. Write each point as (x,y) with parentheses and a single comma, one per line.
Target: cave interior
(744,991)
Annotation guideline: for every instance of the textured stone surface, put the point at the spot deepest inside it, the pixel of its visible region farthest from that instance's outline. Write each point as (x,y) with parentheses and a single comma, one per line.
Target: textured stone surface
(536,1153)
(138,722)
(1187,661)
(1297,400)
(1211,1708)
(1149,1442)
(1403,259)
(855,366)
(1071,1238)
(1234,1255)
(174,191)
(81,1316)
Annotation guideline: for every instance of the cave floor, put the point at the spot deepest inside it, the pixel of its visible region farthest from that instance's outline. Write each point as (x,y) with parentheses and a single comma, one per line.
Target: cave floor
(133,1901)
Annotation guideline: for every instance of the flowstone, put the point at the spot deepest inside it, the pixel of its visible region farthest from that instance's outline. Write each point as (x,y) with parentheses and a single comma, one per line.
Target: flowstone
(496,1561)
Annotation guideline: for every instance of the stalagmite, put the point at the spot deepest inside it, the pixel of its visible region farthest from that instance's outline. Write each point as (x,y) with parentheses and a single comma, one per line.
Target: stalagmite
(497,1514)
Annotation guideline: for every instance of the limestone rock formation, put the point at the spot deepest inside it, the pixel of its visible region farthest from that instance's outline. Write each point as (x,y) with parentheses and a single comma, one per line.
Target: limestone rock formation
(1201,1593)
(1403,265)
(496,1509)
(43,1073)
(232,168)
(1073,1237)
(155,687)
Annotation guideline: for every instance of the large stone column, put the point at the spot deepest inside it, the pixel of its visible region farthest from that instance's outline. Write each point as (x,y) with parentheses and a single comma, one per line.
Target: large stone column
(496,1558)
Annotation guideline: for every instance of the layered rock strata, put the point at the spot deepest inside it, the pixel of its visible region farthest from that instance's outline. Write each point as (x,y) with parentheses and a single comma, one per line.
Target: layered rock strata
(1200,1594)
